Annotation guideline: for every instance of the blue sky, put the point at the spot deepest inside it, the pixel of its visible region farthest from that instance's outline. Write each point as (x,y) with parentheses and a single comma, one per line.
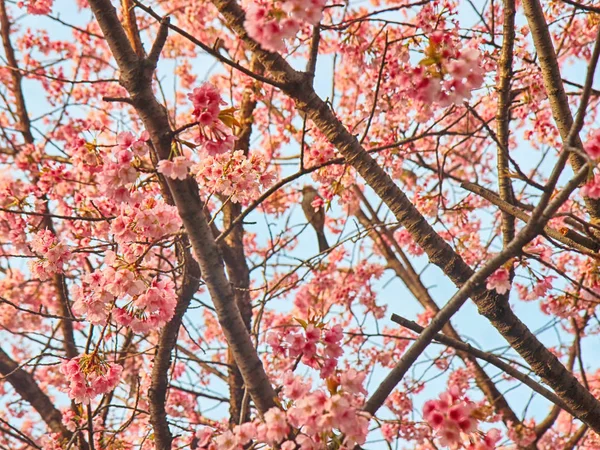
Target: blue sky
(392,293)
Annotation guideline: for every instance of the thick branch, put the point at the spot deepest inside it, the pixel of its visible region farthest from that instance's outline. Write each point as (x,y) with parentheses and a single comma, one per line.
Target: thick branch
(556,92)
(28,389)
(566,236)
(413,282)
(136,78)
(503,118)
(235,258)
(542,361)
(166,343)
(488,357)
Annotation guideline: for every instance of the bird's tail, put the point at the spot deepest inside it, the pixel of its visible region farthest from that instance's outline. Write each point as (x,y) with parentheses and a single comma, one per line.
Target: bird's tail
(323,245)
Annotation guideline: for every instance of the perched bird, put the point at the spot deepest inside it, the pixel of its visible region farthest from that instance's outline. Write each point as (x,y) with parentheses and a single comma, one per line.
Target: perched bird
(316,217)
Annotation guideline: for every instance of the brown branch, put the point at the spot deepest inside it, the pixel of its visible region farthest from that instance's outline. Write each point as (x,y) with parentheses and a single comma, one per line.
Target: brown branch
(27,388)
(577,5)
(566,236)
(136,77)
(15,75)
(380,234)
(235,257)
(503,118)
(556,93)
(166,343)
(131,27)
(577,436)
(542,361)
(488,357)
(545,424)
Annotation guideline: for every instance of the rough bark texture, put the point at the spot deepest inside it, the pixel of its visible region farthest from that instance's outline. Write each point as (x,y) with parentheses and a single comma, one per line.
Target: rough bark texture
(136,77)
(556,91)
(236,263)
(28,389)
(489,304)
(166,343)
(414,284)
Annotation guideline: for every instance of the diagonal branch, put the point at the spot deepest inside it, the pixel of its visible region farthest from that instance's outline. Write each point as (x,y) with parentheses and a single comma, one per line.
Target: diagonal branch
(136,77)
(541,360)
(556,92)
(505,73)
(488,357)
(381,235)
(27,388)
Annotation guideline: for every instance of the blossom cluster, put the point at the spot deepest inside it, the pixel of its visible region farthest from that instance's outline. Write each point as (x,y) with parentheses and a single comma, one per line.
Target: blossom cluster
(145,219)
(176,168)
(119,173)
(592,147)
(214,124)
(235,175)
(316,347)
(142,308)
(51,253)
(270,24)
(448,73)
(452,416)
(37,7)
(499,280)
(316,415)
(90,375)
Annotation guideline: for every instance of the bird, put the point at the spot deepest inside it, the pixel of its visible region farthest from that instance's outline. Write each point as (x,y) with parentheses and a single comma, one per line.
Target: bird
(316,217)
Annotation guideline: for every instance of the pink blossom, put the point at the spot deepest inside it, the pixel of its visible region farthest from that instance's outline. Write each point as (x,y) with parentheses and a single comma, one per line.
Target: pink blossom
(276,425)
(450,416)
(352,381)
(499,280)
(592,146)
(52,255)
(37,7)
(89,376)
(233,175)
(592,188)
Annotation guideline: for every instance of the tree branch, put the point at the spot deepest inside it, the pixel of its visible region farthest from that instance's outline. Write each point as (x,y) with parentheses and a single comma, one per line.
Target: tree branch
(542,361)
(136,77)
(28,389)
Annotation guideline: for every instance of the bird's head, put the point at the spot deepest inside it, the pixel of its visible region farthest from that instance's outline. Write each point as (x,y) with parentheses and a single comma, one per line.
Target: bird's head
(308,189)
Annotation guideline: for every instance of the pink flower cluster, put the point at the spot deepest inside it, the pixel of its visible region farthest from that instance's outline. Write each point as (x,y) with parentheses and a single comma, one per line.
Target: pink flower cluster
(234,175)
(499,280)
(151,310)
(37,7)
(176,169)
(144,307)
(448,74)
(144,220)
(118,176)
(100,288)
(53,255)
(270,26)
(592,188)
(315,414)
(304,344)
(488,441)
(89,376)
(215,137)
(523,436)
(592,146)
(450,416)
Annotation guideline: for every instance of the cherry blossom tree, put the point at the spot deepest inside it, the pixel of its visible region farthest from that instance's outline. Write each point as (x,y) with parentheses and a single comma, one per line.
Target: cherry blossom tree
(166,165)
